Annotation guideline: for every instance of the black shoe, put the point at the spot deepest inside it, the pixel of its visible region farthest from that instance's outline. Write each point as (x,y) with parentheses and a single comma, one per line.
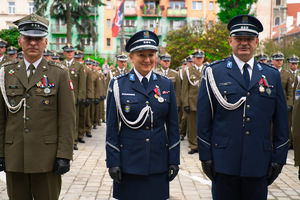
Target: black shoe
(81,140)
(88,134)
(192,151)
(182,138)
(94,127)
(103,121)
(75,147)
(99,123)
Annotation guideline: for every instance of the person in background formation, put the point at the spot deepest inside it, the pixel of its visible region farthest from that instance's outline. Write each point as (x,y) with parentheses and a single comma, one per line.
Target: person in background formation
(47,54)
(3,58)
(103,92)
(105,68)
(37,118)
(238,101)
(55,57)
(79,56)
(142,152)
(292,62)
(98,93)
(287,84)
(121,60)
(296,113)
(182,114)
(12,52)
(20,56)
(262,57)
(190,86)
(76,72)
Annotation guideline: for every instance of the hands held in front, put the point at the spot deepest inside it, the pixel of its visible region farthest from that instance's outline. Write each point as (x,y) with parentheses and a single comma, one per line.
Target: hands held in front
(173,171)
(187,109)
(115,173)
(209,170)
(61,166)
(2,164)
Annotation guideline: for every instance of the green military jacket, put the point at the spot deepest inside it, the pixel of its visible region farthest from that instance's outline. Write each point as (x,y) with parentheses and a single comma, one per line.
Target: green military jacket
(115,72)
(89,82)
(296,124)
(174,76)
(190,87)
(287,83)
(295,81)
(42,129)
(5,59)
(76,72)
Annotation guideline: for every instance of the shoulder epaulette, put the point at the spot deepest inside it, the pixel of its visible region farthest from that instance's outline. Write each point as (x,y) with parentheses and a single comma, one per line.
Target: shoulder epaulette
(267,65)
(9,63)
(173,70)
(158,74)
(57,64)
(215,62)
(120,76)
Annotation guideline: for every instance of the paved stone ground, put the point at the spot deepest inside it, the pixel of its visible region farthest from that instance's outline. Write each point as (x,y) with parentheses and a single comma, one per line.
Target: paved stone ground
(88,178)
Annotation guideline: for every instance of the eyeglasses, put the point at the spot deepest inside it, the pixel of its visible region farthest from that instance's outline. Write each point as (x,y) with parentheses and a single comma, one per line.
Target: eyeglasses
(35,39)
(166,60)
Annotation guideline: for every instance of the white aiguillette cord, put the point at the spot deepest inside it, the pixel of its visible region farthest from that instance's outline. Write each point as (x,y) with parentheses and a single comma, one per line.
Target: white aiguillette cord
(144,111)
(228,106)
(12,109)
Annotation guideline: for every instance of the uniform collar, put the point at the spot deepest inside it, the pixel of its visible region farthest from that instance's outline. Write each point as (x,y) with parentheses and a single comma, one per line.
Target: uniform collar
(69,62)
(241,63)
(140,77)
(35,64)
(1,58)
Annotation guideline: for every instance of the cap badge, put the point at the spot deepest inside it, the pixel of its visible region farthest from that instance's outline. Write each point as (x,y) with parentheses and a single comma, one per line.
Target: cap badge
(146,34)
(33,17)
(245,19)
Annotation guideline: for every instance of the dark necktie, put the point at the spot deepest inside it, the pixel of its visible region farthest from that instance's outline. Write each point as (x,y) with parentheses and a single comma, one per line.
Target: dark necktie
(246,74)
(122,71)
(31,67)
(145,82)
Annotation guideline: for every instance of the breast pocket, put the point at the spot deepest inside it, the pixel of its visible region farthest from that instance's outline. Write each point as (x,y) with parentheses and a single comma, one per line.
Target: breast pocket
(228,93)
(46,101)
(14,96)
(129,105)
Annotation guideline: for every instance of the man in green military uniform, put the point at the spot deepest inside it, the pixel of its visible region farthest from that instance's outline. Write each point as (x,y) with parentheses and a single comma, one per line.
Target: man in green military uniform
(47,54)
(20,56)
(37,118)
(78,79)
(121,61)
(294,72)
(287,82)
(79,56)
(262,57)
(182,114)
(55,57)
(3,58)
(190,88)
(12,52)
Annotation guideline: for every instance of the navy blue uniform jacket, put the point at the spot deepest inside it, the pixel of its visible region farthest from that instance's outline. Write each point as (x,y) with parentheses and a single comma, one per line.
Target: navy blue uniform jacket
(142,151)
(242,145)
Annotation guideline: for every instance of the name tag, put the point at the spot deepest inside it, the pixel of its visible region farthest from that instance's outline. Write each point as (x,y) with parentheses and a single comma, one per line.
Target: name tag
(127,94)
(224,84)
(13,86)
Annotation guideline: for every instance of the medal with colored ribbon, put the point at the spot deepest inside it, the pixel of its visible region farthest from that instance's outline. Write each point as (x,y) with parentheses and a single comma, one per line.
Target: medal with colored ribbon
(157,94)
(266,83)
(45,85)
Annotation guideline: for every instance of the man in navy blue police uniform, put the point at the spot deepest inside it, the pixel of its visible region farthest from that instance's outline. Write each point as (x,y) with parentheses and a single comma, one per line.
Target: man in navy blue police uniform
(142,135)
(238,101)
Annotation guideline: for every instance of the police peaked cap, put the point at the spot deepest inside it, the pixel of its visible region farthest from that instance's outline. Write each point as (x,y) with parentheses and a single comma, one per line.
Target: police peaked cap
(12,50)
(122,57)
(3,43)
(184,61)
(198,53)
(278,56)
(78,54)
(262,56)
(68,47)
(166,57)
(293,59)
(189,59)
(33,25)
(55,56)
(47,52)
(244,25)
(142,40)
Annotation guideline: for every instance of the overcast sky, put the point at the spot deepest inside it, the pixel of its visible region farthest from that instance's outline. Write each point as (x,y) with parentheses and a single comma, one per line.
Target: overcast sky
(293,1)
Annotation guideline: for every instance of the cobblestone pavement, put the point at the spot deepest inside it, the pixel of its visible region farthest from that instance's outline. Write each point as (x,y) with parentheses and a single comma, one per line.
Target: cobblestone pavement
(88,178)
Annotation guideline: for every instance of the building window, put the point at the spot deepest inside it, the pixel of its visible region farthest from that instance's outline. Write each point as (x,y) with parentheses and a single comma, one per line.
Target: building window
(196,23)
(108,23)
(129,4)
(211,5)
(210,24)
(108,4)
(150,4)
(149,24)
(176,4)
(129,23)
(197,5)
(60,41)
(11,7)
(108,42)
(176,24)
(278,2)
(277,21)
(31,7)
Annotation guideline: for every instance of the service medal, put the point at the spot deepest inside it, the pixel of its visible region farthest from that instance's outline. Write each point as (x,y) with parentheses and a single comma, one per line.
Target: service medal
(261,89)
(38,90)
(268,91)
(160,99)
(156,96)
(72,72)
(47,90)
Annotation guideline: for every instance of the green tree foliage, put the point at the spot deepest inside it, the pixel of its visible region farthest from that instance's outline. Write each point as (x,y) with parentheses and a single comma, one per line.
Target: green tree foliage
(214,42)
(231,8)
(10,36)
(74,12)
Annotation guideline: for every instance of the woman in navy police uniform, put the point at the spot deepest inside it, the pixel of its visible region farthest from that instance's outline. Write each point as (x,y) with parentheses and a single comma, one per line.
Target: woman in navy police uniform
(142,135)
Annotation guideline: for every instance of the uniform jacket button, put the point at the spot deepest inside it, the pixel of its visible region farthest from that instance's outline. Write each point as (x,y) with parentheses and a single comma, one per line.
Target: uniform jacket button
(147,140)
(121,145)
(147,127)
(248,119)
(27,96)
(27,118)
(248,106)
(26,130)
(248,93)
(247,133)
(27,107)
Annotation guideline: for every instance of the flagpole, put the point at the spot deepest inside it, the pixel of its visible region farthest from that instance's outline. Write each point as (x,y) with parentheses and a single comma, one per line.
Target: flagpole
(122,35)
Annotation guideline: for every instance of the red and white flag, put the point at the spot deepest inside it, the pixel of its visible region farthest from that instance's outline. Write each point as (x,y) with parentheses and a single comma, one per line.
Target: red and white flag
(118,19)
